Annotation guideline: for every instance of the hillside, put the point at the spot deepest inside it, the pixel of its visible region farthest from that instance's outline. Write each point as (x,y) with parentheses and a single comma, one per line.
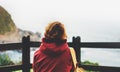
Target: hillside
(6,23)
(9,32)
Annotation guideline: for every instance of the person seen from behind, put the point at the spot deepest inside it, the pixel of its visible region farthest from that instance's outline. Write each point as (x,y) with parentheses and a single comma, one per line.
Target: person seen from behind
(54,54)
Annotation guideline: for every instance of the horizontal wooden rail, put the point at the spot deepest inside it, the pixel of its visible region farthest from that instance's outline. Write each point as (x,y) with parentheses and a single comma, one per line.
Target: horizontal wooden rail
(26,44)
(35,44)
(109,45)
(100,44)
(100,68)
(10,46)
(10,68)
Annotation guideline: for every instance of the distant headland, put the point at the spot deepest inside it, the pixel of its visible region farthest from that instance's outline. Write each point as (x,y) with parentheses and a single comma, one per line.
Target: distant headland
(9,31)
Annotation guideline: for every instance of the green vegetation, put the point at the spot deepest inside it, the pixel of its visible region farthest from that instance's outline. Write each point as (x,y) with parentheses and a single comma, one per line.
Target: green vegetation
(6,23)
(5,60)
(89,63)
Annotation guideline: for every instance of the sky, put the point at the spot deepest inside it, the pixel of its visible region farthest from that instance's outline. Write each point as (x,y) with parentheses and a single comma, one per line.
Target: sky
(93,20)
(81,17)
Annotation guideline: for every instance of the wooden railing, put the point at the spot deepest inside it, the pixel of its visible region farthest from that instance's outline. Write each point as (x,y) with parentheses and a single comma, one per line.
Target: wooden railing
(76,44)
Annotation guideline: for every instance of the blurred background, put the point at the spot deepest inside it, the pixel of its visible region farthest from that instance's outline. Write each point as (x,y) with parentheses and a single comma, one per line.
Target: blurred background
(92,20)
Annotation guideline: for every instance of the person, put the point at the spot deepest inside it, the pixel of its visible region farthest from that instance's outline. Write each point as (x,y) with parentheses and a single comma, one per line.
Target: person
(54,53)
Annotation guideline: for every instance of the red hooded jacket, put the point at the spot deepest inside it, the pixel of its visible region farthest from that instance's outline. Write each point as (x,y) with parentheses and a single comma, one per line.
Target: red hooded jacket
(53,58)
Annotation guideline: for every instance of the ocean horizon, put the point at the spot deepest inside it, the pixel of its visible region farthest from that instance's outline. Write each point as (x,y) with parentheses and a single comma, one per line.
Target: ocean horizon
(104,57)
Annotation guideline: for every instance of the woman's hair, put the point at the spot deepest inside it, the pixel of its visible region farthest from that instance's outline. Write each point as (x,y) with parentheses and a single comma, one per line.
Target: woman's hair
(55,30)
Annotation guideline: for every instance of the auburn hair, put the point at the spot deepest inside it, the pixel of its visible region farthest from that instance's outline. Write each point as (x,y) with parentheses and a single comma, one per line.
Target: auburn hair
(55,30)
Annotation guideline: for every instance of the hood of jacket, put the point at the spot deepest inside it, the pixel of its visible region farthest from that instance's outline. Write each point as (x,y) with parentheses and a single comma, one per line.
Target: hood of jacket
(52,49)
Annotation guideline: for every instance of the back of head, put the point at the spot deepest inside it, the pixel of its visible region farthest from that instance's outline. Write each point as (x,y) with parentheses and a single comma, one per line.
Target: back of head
(55,31)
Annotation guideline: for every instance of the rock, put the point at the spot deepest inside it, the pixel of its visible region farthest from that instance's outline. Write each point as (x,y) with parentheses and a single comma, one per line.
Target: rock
(8,30)
(10,33)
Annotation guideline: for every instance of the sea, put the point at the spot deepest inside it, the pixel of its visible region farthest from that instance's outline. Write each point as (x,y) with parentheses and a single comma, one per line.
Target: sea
(104,57)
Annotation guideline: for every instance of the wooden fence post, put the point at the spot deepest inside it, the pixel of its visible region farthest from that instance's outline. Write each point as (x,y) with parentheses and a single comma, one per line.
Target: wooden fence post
(76,46)
(26,54)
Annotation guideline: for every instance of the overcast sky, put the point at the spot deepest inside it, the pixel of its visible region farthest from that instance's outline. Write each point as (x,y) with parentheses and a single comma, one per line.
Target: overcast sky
(77,15)
(93,20)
